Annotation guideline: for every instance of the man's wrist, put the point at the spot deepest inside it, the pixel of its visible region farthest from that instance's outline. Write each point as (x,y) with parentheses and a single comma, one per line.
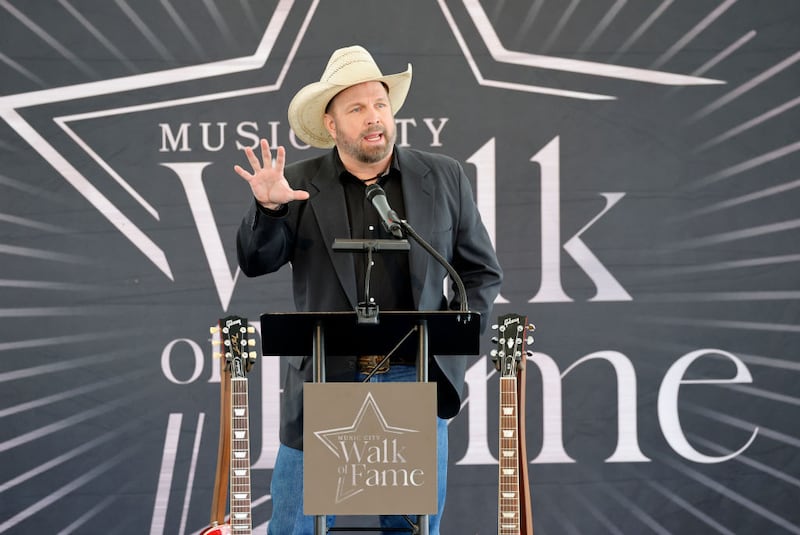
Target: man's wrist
(272,207)
(280,210)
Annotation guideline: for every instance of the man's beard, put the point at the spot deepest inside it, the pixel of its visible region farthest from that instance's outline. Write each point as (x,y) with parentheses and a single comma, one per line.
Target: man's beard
(372,154)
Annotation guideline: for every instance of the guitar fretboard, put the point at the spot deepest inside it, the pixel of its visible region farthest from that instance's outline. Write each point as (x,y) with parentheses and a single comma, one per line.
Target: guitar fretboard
(240,521)
(508,521)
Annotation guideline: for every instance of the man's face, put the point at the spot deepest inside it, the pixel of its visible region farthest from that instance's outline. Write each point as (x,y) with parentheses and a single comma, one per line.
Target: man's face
(360,120)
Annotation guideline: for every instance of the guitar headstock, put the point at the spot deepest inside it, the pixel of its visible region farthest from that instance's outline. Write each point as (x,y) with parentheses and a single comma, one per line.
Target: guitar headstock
(234,338)
(513,333)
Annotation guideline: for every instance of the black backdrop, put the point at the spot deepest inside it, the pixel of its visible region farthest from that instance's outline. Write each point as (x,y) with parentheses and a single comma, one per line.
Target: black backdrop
(636,164)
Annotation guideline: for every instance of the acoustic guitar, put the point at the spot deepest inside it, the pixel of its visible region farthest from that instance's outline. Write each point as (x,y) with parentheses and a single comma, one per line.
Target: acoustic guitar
(514,510)
(235,343)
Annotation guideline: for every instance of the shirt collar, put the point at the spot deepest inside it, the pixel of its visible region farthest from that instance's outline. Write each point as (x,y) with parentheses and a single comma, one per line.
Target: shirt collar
(394,166)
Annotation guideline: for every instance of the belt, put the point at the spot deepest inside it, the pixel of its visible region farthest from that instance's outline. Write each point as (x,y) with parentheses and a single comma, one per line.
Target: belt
(366,363)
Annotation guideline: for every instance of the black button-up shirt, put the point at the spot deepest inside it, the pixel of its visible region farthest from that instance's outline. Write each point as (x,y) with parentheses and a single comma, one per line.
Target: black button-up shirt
(390,280)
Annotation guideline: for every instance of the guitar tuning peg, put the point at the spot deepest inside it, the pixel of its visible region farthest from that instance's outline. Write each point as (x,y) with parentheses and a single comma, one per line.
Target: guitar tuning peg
(252,355)
(215,342)
(494,326)
(495,339)
(493,352)
(216,354)
(251,329)
(529,353)
(251,342)
(531,327)
(529,340)
(214,330)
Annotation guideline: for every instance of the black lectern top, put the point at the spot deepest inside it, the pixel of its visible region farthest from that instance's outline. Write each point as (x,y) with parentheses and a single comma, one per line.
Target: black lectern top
(292,333)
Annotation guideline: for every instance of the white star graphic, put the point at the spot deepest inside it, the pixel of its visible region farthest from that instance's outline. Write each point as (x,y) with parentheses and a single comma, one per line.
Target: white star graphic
(11,104)
(368,405)
(327,436)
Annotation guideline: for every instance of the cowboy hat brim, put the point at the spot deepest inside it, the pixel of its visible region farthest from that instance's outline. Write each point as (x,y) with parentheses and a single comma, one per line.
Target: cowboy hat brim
(307,108)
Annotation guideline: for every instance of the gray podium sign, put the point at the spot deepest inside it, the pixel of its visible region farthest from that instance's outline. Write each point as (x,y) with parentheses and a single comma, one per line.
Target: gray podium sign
(370,448)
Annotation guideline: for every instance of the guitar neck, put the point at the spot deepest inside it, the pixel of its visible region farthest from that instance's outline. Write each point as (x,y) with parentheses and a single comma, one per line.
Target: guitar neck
(514,507)
(240,520)
(508,521)
(234,442)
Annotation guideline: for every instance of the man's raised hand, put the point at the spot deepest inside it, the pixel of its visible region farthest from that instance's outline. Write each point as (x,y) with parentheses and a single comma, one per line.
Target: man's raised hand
(269,186)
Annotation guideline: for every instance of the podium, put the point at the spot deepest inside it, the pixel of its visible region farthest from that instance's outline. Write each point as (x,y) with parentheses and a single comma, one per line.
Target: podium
(323,335)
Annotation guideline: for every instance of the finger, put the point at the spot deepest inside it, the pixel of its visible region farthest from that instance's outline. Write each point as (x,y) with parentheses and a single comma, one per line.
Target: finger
(251,157)
(266,154)
(242,173)
(299,195)
(280,159)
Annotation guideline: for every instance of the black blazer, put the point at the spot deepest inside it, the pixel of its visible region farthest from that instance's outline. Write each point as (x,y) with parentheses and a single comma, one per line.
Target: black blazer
(439,205)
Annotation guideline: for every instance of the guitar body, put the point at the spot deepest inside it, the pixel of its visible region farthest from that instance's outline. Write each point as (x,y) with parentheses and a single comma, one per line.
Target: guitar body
(222,529)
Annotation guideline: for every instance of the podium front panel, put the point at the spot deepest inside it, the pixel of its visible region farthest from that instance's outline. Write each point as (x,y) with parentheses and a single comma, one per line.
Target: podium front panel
(370,449)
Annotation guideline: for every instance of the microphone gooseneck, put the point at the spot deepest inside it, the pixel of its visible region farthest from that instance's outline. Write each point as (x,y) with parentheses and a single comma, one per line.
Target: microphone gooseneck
(462,292)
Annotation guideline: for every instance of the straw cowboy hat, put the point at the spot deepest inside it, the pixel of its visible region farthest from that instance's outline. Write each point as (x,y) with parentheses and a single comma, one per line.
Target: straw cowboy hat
(347,67)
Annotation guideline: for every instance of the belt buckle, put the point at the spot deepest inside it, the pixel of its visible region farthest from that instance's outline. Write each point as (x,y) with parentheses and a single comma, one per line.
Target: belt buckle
(366,363)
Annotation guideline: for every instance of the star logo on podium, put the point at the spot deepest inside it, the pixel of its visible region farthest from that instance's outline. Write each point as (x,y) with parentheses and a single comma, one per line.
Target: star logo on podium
(362,442)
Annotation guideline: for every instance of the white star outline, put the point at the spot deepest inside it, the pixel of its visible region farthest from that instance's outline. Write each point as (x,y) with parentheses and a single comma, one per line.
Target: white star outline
(369,404)
(11,104)
(501,54)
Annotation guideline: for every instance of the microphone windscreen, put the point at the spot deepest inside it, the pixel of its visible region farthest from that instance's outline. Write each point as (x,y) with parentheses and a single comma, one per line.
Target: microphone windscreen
(373,190)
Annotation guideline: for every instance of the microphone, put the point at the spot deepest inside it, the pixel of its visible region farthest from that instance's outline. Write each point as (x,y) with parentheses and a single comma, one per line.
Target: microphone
(389,217)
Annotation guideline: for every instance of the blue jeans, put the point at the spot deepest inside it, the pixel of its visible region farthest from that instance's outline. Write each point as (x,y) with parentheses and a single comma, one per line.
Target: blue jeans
(287,479)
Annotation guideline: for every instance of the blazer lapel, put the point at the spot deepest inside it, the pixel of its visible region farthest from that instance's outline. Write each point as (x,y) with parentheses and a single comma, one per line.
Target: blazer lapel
(418,199)
(330,211)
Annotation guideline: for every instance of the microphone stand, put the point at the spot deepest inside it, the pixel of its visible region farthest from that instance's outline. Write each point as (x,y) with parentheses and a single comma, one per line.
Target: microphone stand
(367,310)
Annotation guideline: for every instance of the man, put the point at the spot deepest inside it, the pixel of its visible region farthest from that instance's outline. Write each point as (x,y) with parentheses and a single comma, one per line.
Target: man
(300,209)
